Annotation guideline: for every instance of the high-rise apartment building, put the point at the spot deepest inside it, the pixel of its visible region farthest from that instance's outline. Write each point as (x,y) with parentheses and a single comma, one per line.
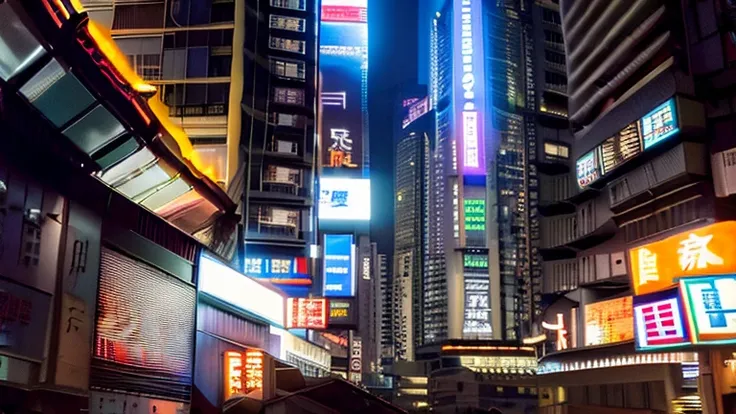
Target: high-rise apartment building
(386,295)
(649,190)
(496,101)
(411,185)
(240,78)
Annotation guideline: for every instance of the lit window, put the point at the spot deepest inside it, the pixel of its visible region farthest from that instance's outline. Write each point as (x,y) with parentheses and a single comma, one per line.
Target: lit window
(294,24)
(290,4)
(288,68)
(288,45)
(556,150)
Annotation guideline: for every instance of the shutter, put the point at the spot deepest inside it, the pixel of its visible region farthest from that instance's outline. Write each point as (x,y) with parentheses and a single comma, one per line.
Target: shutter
(144,332)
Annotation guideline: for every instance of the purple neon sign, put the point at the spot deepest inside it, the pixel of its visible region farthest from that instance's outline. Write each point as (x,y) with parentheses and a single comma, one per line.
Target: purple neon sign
(469,81)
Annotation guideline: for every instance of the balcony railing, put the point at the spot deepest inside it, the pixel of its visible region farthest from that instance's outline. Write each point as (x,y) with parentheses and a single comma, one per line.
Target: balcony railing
(554,45)
(198,110)
(286,188)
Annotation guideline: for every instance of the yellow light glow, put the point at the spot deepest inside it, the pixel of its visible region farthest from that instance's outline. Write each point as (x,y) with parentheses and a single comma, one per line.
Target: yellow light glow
(77,5)
(110,50)
(182,139)
(485,348)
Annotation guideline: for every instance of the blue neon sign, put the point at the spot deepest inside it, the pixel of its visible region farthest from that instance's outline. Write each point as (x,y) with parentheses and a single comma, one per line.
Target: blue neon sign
(339,266)
(659,124)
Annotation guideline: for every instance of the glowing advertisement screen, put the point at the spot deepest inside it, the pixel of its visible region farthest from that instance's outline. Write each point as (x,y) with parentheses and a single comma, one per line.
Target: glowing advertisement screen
(343,64)
(710,304)
(469,83)
(475,214)
(287,271)
(609,321)
(339,265)
(477,319)
(344,199)
(659,124)
(658,321)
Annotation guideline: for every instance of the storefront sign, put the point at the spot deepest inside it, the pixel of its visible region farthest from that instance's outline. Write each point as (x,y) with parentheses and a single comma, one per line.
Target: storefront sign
(588,168)
(285,271)
(560,330)
(710,304)
(304,313)
(366,269)
(356,359)
(707,250)
(253,370)
(609,321)
(661,123)
(658,321)
(23,320)
(233,374)
(342,314)
(339,265)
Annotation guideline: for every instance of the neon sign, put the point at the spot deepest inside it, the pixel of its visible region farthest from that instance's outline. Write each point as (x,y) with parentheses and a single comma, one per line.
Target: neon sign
(469,86)
(233,373)
(707,250)
(559,327)
(253,368)
(475,215)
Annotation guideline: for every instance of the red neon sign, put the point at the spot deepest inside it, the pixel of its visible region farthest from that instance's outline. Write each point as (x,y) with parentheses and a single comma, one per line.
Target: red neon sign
(304,313)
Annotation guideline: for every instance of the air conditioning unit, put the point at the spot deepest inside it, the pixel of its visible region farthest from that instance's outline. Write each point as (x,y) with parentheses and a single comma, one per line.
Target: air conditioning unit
(724,172)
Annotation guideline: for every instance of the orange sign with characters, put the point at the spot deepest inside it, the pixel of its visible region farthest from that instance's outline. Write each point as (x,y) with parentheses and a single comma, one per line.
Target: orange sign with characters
(708,250)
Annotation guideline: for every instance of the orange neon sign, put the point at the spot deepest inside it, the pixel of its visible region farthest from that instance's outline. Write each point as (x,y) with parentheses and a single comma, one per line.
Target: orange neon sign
(253,370)
(705,251)
(233,373)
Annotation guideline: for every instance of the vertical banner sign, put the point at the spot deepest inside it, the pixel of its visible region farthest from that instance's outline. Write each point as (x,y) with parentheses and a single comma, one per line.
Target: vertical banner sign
(339,265)
(469,83)
(356,359)
(343,65)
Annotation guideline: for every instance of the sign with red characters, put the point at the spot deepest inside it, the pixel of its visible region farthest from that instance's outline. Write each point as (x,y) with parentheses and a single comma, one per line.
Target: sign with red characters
(306,313)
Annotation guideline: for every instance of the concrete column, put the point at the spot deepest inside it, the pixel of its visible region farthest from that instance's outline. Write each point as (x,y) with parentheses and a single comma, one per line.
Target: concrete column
(706,384)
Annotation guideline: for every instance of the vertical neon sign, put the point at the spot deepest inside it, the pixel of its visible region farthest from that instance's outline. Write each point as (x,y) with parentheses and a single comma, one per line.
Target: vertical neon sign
(469,78)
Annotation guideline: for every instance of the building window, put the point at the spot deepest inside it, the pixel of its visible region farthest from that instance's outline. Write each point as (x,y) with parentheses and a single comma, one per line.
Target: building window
(290,4)
(294,24)
(289,96)
(288,45)
(289,69)
(556,150)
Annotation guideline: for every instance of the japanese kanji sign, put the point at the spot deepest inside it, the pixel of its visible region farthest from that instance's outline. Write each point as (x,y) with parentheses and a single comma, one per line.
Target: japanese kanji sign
(705,251)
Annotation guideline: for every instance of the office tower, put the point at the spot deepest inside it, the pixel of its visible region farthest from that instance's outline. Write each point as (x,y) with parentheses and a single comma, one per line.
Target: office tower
(648,190)
(411,185)
(483,272)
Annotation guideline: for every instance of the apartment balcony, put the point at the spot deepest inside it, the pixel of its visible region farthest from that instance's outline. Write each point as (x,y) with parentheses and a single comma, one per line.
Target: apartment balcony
(560,47)
(559,67)
(560,88)
(569,274)
(282,194)
(591,225)
(266,229)
(682,165)
(198,110)
(554,193)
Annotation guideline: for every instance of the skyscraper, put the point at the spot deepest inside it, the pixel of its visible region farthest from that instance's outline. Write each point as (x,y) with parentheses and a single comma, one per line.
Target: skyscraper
(487,64)
(411,191)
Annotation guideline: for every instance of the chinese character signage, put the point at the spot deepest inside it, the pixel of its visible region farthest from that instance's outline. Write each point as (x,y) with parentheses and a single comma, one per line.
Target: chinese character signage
(475,261)
(344,199)
(620,148)
(475,214)
(303,313)
(339,265)
(609,321)
(706,250)
(560,331)
(243,372)
(233,368)
(659,124)
(588,169)
(658,321)
(477,319)
(343,65)
(710,304)
(469,84)
(285,271)
(23,320)
(253,371)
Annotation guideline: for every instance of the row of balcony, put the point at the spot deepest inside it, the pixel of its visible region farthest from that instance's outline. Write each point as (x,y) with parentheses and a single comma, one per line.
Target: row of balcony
(565,275)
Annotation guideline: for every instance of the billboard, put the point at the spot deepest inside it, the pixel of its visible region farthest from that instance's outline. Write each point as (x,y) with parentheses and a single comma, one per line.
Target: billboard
(226,284)
(280,271)
(588,168)
(477,319)
(710,305)
(303,313)
(415,110)
(658,321)
(344,199)
(469,82)
(339,265)
(702,251)
(475,214)
(343,65)
(609,321)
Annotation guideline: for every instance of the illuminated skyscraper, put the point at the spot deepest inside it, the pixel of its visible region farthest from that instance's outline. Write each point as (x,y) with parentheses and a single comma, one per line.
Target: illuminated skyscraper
(482,272)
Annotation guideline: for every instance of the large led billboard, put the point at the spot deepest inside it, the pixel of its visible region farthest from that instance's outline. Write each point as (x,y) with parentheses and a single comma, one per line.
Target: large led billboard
(344,199)
(339,265)
(343,65)
(469,84)
(279,270)
(609,321)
